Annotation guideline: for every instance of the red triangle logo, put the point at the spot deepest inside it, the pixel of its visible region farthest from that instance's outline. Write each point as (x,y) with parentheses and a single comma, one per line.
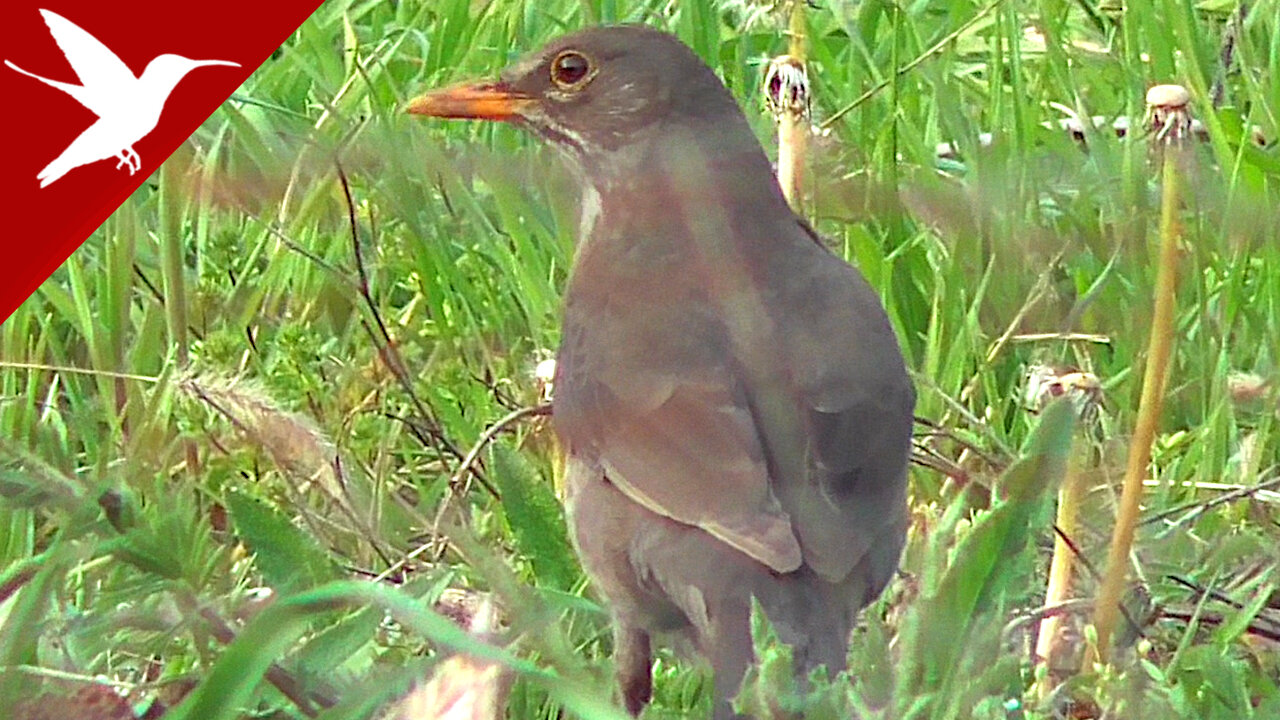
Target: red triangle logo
(99,95)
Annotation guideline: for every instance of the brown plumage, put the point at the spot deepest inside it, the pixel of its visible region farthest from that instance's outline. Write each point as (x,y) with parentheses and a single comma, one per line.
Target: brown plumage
(730,394)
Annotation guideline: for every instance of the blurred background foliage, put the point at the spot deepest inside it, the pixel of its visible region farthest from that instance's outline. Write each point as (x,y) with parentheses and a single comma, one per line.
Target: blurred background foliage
(240,428)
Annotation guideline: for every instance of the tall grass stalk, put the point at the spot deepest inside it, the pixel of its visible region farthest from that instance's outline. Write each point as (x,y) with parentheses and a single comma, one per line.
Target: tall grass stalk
(1107,611)
(793,126)
(1049,645)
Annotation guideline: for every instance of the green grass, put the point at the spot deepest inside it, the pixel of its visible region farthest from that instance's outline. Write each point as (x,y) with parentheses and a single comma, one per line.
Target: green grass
(316,276)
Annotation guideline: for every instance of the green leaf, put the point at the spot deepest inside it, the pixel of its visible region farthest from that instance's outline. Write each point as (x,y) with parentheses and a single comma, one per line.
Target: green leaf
(231,682)
(290,560)
(535,517)
(999,535)
(984,560)
(339,643)
(171,542)
(19,632)
(1237,623)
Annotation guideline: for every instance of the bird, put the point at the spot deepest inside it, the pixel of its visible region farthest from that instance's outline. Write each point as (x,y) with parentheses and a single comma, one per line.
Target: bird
(731,397)
(128,107)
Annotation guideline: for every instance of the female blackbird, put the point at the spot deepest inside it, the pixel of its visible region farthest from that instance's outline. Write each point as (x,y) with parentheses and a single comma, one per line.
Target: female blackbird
(730,394)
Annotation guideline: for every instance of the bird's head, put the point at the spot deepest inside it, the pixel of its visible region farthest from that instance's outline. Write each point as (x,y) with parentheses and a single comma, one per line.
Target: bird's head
(597,91)
(168,69)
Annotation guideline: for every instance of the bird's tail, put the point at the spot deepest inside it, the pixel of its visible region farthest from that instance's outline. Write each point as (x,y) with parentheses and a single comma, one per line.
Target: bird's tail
(814,616)
(60,165)
(54,170)
(30,74)
(77,92)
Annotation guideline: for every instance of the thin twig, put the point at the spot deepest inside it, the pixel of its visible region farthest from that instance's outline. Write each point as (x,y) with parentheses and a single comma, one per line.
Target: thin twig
(69,370)
(1064,336)
(469,462)
(1058,609)
(1217,619)
(1221,597)
(294,245)
(281,679)
(382,338)
(1088,566)
(1199,508)
(1093,573)
(937,47)
(491,432)
(956,407)
(937,431)
(927,457)
(1037,291)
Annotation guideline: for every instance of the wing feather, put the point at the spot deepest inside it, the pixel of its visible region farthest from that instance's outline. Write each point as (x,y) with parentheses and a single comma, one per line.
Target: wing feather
(651,396)
(102,74)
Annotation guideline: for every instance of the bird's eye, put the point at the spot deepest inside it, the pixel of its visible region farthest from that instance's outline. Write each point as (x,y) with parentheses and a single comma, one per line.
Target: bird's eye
(570,70)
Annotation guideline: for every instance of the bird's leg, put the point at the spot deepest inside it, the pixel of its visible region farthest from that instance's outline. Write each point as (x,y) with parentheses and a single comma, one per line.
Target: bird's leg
(728,646)
(128,157)
(633,662)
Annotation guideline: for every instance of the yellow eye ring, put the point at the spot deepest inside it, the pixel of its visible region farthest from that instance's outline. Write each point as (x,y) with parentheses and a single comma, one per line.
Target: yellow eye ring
(570,70)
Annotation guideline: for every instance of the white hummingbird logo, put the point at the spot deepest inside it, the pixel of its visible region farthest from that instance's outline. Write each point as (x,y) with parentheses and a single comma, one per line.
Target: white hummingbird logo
(127,107)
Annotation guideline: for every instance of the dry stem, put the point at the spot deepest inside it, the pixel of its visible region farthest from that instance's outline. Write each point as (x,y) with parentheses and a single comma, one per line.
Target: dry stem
(1153,384)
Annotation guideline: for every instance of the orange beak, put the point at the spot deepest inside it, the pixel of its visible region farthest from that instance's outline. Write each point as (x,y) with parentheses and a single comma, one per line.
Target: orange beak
(476,101)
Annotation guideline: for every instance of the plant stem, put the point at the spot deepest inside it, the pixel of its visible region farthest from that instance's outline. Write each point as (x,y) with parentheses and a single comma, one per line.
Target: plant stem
(172,250)
(1049,647)
(1153,384)
(793,130)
